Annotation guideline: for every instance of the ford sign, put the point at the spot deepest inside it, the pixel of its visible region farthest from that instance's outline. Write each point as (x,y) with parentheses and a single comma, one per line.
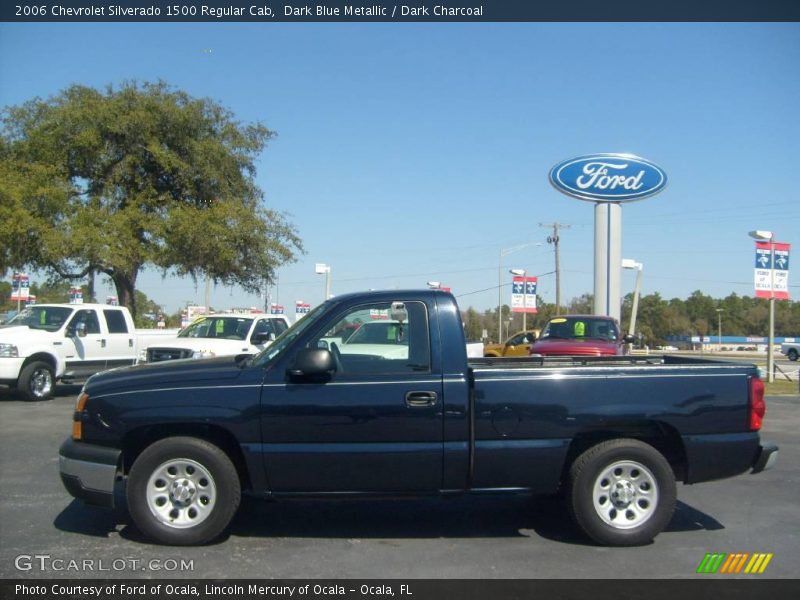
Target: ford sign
(608,178)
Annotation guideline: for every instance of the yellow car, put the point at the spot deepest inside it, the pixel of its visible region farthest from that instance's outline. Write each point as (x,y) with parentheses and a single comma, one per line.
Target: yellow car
(516,345)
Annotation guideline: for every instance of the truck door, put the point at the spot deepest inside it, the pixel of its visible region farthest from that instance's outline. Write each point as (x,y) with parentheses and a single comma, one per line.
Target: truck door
(85,346)
(120,342)
(376,426)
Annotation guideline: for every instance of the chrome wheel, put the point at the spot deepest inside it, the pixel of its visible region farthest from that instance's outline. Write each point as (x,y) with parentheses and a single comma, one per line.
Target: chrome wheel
(625,494)
(41,382)
(181,493)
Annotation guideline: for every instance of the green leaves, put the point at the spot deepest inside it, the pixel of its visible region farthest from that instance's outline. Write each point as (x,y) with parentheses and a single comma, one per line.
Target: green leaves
(137,175)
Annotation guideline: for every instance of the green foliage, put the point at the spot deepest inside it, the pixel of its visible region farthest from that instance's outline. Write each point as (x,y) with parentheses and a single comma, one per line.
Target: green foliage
(137,175)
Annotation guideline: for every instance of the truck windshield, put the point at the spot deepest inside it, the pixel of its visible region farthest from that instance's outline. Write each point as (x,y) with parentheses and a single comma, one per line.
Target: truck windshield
(570,328)
(225,328)
(284,339)
(48,318)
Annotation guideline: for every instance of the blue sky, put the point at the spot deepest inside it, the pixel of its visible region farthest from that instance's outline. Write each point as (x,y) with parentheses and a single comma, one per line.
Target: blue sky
(416,152)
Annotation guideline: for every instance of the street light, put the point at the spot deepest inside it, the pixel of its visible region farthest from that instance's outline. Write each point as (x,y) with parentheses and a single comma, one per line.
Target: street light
(435,285)
(628,263)
(320,269)
(524,274)
(768,236)
(506,252)
(719,327)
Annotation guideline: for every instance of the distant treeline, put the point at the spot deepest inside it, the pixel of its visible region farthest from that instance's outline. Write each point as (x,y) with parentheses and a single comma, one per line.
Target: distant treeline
(658,318)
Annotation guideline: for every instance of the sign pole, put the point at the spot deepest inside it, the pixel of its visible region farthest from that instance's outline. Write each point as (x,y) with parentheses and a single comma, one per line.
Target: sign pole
(771,340)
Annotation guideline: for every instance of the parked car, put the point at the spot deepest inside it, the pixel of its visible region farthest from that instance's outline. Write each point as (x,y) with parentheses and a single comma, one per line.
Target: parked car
(45,343)
(517,345)
(791,350)
(222,334)
(581,335)
(300,420)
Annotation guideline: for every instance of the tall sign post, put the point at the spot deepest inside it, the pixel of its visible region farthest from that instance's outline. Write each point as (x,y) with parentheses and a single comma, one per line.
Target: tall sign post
(608,180)
(771,281)
(523,295)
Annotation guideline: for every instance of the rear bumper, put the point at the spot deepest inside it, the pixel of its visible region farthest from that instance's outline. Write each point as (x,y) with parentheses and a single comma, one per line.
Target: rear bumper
(88,471)
(718,456)
(767,457)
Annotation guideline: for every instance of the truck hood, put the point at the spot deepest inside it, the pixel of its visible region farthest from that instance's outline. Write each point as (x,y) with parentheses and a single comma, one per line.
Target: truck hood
(217,346)
(164,374)
(24,334)
(572,347)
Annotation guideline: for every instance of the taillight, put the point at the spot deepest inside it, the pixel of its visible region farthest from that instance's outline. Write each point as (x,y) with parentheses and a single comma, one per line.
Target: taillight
(758,408)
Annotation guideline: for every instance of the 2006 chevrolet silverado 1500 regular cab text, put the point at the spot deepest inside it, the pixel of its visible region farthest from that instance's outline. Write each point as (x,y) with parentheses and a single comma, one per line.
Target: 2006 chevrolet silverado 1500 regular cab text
(303,419)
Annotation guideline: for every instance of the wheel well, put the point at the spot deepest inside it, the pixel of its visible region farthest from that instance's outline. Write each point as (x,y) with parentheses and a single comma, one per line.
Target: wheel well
(661,436)
(42,356)
(135,441)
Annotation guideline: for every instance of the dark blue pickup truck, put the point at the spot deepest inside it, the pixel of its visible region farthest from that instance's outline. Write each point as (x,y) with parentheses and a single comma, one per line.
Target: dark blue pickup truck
(399,410)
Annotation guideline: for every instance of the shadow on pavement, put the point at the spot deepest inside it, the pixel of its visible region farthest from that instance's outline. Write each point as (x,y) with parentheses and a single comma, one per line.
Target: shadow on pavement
(459,517)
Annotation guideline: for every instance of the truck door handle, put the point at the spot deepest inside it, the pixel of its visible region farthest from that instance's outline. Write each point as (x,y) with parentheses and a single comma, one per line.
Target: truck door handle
(102,343)
(419,399)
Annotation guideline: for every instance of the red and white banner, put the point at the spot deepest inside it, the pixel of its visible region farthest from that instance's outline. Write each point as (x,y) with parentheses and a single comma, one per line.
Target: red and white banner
(523,294)
(20,287)
(772,270)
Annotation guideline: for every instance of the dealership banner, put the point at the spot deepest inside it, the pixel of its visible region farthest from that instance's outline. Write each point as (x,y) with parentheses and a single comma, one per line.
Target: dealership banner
(522,299)
(772,270)
(20,287)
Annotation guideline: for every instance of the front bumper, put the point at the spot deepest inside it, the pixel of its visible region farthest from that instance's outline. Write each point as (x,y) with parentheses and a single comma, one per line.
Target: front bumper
(88,471)
(766,459)
(10,368)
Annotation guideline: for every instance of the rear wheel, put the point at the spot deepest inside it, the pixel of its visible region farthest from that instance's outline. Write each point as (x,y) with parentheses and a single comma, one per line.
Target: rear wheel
(792,354)
(183,491)
(36,381)
(621,492)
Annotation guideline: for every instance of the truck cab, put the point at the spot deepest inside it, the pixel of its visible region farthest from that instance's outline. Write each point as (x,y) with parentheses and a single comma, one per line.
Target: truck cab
(581,335)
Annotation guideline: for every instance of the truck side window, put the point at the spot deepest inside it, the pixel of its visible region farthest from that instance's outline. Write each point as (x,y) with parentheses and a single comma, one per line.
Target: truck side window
(369,341)
(89,317)
(115,321)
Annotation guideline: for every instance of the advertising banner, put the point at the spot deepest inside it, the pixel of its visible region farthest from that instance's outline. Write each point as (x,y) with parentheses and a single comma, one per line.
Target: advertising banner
(771,275)
(276,309)
(20,287)
(75,295)
(522,299)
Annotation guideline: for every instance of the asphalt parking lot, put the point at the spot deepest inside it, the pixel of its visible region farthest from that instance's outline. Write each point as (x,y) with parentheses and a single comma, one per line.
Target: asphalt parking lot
(466,537)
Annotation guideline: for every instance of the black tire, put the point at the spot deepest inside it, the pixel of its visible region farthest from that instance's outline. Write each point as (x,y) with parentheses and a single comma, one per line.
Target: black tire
(37,381)
(195,460)
(621,492)
(792,354)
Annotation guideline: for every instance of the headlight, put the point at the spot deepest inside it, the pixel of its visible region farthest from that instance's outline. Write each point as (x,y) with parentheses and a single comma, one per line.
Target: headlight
(203,354)
(9,351)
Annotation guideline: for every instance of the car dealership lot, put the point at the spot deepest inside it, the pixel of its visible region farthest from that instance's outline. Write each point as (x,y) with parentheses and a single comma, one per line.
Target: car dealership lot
(42,528)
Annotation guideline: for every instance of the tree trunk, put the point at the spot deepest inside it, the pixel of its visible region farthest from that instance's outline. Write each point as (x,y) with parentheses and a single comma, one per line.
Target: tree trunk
(125,283)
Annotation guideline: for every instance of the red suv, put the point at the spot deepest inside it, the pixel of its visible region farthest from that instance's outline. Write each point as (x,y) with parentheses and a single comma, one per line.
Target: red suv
(580,335)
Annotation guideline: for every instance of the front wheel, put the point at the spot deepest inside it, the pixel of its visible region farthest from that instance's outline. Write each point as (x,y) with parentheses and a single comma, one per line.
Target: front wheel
(792,354)
(621,492)
(183,491)
(36,381)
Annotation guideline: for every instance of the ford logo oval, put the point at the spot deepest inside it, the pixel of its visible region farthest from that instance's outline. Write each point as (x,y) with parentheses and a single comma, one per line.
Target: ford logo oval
(608,178)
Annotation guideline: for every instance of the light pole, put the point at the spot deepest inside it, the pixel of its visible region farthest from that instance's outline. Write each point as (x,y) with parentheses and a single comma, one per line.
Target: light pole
(505,252)
(628,263)
(768,236)
(524,274)
(320,269)
(719,327)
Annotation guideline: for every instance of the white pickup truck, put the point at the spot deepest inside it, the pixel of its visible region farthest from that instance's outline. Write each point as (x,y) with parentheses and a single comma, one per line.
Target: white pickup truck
(791,349)
(222,334)
(46,343)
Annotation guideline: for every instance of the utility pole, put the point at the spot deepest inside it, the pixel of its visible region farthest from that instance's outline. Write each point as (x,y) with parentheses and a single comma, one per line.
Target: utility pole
(554,239)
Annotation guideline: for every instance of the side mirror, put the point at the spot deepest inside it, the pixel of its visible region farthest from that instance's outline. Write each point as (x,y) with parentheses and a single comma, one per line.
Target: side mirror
(262,338)
(77,330)
(628,338)
(316,364)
